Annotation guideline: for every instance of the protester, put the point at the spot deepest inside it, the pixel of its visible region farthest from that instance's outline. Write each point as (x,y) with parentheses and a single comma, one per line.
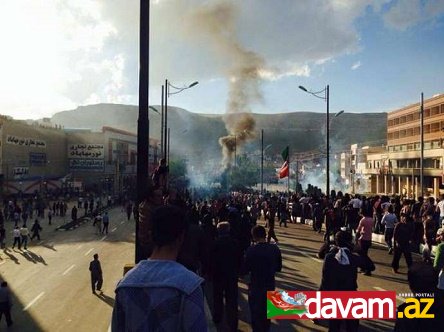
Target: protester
(5,303)
(35,229)
(402,236)
(262,261)
(17,238)
(340,273)
(225,263)
(365,239)
(160,294)
(24,234)
(96,274)
(105,221)
(389,220)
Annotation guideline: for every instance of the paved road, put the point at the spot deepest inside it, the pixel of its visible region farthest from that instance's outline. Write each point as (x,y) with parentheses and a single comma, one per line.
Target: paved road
(51,282)
(302,271)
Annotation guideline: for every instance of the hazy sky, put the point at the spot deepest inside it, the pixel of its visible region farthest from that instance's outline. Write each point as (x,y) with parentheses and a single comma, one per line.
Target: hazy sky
(377,55)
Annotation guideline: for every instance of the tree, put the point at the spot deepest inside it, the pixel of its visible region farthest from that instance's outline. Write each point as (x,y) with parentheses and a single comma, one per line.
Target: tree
(178,174)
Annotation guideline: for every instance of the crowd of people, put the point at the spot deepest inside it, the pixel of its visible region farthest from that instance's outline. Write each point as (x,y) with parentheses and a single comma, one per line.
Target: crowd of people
(222,242)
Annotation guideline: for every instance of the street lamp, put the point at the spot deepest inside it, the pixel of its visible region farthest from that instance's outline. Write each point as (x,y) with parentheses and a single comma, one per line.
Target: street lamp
(325,95)
(168,85)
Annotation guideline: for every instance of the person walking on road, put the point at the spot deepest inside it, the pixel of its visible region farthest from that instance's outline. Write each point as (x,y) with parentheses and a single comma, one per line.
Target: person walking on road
(74,213)
(365,239)
(5,303)
(402,236)
(98,223)
(389,220)
(262,261)
(105,221)
(49,216)
(16,235)
(24,233)
(96,274)
(35,229)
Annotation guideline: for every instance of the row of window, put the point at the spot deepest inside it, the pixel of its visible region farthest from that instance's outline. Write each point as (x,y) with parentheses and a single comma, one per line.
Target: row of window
(429,163)
(414,131)
(415,116)
(436,144)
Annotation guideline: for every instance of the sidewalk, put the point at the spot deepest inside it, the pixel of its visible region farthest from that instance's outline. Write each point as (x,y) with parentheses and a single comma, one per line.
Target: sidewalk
(376,238)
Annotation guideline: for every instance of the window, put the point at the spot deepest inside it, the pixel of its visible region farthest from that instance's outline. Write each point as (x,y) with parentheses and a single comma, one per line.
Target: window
(396,121)
(390,123)
(409,132)
(409,118)
(390,136)
(435,110)
(426,129)
(416,131)
(434,127)
(410,147)
(416,116)
(442,108)
(396,135)
(402,120)
(427,113)
(402,133)
(436,144)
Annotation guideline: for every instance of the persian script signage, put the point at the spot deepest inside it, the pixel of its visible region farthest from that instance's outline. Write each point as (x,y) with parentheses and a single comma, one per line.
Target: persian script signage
(23,141)
(86,151)
(37,159)
(87,165)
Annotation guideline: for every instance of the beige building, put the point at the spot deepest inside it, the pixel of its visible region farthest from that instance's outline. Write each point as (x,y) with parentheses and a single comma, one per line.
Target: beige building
(41,158)
(397,170)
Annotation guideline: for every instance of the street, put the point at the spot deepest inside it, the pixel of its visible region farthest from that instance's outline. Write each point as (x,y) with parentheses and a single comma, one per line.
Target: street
(51,283)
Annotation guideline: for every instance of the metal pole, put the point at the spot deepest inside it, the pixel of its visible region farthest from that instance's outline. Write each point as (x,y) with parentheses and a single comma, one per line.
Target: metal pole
(166,120)
(162,145)
(327,92)
(289,172)
(262,161)
(297,175)
(168,145)
(235,148)
(143,120)
(422,144)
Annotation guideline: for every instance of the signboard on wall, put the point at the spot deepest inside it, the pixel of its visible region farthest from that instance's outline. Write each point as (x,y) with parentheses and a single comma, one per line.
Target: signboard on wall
(87,165)
(25,141)
(20,171)
(37,159)
(86,151)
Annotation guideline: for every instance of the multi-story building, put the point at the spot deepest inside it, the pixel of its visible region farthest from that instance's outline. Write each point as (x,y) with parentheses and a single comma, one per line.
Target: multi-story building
(42,157)
(397,170)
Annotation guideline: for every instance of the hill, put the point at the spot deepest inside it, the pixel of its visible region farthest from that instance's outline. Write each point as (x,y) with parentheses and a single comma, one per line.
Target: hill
(196,135)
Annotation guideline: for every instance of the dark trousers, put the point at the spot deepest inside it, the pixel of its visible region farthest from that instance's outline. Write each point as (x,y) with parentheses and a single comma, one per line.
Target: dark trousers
(35,234)
(18,242)
(271,233)
(399,250)
(226,288)
(5,309)
(388,237)
(351,325)
(96,279)
(257,300)
(105,227)
(25,241)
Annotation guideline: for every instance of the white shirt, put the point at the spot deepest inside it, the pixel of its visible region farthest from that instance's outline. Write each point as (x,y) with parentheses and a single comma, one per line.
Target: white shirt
(16,232)
(441,208)
(355,203)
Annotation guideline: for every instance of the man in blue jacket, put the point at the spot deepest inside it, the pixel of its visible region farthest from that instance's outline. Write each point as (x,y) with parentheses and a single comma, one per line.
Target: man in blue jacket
(159,294)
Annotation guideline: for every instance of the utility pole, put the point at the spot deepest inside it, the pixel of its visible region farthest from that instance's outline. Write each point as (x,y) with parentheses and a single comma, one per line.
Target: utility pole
(421,175)
(262,161)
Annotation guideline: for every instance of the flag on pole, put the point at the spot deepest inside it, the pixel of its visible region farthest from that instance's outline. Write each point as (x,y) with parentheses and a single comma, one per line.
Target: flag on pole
(283,172)
(285,153)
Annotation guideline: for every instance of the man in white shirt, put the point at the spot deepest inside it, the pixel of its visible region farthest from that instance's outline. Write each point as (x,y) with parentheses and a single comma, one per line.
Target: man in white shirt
(440,208)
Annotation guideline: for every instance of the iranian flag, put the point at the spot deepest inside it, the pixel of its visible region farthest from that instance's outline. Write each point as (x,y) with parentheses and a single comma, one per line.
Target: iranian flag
(284,171)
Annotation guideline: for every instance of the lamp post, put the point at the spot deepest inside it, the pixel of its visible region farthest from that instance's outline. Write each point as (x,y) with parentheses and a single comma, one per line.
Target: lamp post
(167,94)
(262,161)
(326,97)
(421,116)
(143,120)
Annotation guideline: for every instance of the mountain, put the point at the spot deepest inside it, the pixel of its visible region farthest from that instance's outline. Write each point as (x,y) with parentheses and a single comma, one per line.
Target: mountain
(196,135)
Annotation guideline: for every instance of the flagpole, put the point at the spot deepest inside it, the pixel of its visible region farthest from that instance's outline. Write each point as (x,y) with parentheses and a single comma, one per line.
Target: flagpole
(288,178)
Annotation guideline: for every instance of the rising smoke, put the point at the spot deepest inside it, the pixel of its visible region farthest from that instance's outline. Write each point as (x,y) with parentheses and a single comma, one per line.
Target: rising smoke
(242,68)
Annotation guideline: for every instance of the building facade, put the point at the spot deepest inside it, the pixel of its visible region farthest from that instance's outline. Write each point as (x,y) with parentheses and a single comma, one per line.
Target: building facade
(36,158)
(397,170)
